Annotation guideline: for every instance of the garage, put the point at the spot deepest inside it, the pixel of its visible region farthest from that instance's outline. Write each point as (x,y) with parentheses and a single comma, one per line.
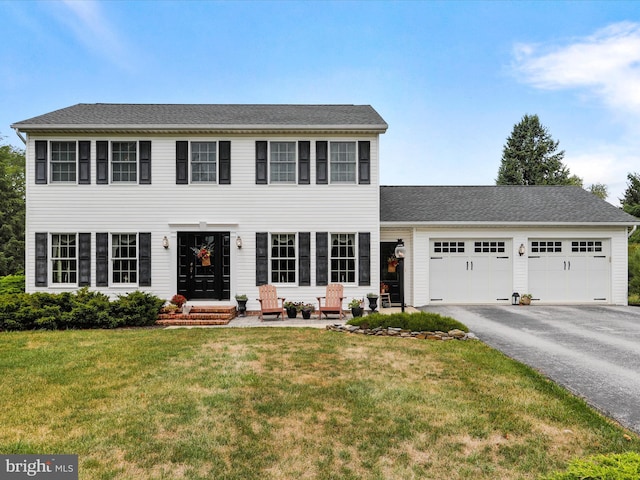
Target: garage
(570,270)
(470,270)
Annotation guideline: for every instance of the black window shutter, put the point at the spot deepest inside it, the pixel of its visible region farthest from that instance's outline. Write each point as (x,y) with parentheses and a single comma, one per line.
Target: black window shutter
(364,162)
(102,259)
(304,163)
(41,259)
(84,162)
(304,259)
(364,258)
(322,258)
(41,161)
(262,258)
(182,162)
(145,162)
(102,162)
(144,260)
(321,163)
(261,162)
(84,253)
(224,162)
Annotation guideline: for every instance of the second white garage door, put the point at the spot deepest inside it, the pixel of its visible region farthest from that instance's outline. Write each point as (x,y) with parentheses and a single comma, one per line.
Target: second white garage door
(470,271)
(570,270)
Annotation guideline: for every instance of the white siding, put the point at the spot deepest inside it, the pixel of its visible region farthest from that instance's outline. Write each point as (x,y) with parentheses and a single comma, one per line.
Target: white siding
(243,208)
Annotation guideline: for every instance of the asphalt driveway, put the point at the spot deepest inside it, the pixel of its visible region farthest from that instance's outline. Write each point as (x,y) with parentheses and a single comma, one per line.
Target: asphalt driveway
(593,351)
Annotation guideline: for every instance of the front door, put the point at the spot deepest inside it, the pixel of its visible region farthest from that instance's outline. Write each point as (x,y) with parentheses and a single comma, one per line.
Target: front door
(204,265)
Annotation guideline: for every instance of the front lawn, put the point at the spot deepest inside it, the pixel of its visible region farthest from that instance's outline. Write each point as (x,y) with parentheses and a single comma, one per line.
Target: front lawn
(271,403)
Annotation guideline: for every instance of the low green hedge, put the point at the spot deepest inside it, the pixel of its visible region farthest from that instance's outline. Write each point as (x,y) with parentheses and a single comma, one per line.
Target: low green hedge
(77,310)
(416,322)
(12,284)
(622,466)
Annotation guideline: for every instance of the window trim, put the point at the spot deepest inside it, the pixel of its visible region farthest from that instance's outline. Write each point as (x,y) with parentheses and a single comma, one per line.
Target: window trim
(216,162)
(53,259)
(51,162)
(296,162)
(112,258)
(112,162)
(355,257)
(294,259)
(353,162)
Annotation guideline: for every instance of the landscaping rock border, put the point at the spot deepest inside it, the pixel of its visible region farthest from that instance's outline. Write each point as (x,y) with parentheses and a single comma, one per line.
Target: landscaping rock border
(399,332)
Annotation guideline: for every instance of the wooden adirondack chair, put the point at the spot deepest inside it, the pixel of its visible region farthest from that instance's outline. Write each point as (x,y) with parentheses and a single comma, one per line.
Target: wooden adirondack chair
(332,301)
(270,303)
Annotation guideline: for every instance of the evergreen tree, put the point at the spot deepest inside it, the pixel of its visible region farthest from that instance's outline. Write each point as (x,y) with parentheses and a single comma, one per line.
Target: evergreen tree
(12,210)
(529,157)
(600,190)
(631,200)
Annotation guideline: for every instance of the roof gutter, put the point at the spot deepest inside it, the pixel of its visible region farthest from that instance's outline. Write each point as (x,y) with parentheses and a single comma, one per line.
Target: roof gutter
(633,229)
(24,140)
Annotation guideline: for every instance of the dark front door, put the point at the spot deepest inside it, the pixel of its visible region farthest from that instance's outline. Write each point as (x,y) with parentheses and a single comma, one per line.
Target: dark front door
(204,265)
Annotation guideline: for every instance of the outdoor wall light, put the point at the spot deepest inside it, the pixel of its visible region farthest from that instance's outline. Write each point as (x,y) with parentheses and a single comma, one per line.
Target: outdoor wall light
(239,242)
(165,242)
(521,249)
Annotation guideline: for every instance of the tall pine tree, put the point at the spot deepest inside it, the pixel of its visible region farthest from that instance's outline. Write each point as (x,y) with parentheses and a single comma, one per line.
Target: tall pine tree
(529,157)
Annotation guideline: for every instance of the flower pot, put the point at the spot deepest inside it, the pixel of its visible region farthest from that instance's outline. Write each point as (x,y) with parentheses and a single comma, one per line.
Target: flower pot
(525,301)
(373,303)
(306,314)
(292,312)
(356,311)
(242,307)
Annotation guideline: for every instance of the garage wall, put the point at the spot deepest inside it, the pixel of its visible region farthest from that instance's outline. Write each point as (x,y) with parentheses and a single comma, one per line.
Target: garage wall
(417,241)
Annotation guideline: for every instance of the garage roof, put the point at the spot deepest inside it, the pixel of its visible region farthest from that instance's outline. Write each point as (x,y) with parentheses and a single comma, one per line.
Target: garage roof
(497,204)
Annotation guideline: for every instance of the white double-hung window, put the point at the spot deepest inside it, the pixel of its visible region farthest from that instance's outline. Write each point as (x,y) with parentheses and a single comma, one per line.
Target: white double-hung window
(343,162)
(124,257)
(64,258)
(283,258)
(343,257)
(203,162)
(283,162)
(124,165)
(63,162)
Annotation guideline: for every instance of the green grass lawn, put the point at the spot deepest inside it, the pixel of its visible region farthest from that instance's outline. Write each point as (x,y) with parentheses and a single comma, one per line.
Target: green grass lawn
(273,403)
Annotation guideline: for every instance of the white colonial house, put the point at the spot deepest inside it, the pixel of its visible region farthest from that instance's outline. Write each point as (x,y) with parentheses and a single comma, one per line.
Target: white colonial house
(211,201)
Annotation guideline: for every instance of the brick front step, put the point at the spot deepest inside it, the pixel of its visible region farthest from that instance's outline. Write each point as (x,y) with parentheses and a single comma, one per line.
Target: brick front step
(200,315)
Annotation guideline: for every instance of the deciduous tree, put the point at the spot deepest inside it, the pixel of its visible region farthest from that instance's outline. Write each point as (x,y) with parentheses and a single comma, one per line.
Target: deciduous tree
(12,210)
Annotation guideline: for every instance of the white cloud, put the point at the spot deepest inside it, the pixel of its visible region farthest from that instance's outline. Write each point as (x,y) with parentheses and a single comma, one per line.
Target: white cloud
(605,64)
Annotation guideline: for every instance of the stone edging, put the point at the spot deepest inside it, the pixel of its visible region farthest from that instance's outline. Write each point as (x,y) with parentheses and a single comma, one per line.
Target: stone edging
(398,332)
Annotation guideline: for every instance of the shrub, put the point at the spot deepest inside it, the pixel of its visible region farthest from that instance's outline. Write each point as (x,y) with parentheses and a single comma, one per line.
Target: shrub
(622,466)
(12,284)
(416,322)
(137,308)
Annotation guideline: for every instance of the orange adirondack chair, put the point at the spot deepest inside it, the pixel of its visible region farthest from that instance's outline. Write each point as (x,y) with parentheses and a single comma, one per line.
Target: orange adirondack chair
(270,303)
(332,301)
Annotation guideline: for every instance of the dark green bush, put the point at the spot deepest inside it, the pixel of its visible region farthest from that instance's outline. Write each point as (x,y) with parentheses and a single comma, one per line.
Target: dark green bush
(137,308)
(622,466)
(416,322)
(77,310)
(12,284)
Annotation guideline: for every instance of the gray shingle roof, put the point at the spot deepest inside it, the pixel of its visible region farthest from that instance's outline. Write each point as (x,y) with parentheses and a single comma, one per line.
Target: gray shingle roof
(497,204)
(203,115)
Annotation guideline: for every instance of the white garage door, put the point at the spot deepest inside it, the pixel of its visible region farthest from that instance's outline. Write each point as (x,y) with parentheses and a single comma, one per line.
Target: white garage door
(470,271)
(569,270)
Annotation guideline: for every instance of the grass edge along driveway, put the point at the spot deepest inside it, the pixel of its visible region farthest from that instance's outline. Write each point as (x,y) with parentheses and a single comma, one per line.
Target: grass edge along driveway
(288,403)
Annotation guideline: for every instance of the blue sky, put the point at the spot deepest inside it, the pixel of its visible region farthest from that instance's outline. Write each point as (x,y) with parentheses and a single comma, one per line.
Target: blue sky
(450,78)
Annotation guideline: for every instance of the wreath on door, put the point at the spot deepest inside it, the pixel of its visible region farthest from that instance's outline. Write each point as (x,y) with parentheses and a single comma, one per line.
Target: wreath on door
(204,254)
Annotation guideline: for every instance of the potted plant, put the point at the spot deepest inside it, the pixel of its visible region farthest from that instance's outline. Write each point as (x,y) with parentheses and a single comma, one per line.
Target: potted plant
(242,304)
(291,308)
(525,299)
(373,301)
(178,300)
(356,306)
(307,309)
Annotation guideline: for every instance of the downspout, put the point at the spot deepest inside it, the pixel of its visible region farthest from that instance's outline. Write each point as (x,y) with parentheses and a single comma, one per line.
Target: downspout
(633,229)
(24,140)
